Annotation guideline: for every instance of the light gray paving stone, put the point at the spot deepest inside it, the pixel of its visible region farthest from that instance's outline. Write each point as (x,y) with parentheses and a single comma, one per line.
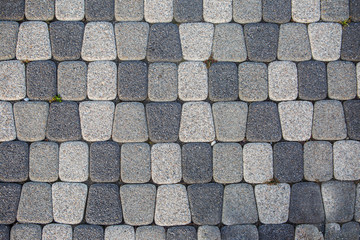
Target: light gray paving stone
(163,82)
(117,232)
(296,120)
(35,204)
(150,233)
(358,78)
(39,10)
(307,231)
(138,203)
(357,204)
(25,232)
(172,206)
(258,162)
(273,202)
(131,40)
(325,40)
(71,80)
(33,41)
(7,125)
(217,11)
(156,11)
(129,10)
(230,120)
(99,42)
(227,163)
(196,40)
(135,163)
(101,80)
(166,163)
(283,83)
(8,38)
(347,160)
(74,161)
(329,121)
(208,233)
(57,232)
(30,120)
(12,80)
(253,81)
(341,78)
(130,123)
(334,10)
(96,118)
(247,11)
(192,81)
(196,123)
(305,11)
(239,205)
(69,10)
(44,162)
(318,161)
(69,202)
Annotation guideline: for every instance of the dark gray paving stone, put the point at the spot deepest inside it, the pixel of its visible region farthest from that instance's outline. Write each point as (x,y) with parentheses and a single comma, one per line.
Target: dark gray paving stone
(12,9)
(103,205)
(8,39)
(163,121)
(164,43)
(14,161)
(63,122)
(105,162)
(41,80)
(261,41)
(40,10)
(239,232)
(206,202)
(4,232)
(276,231)
(306,205)
(25,232)
(132,81)
(263,124)
(349,231)
(9,200)
(355,10)
(350,44)
(88,232)
(277,11)
(188,10)
(99,10)
(181,233)
(197,163)
(288,162)
(66,40)
(223,82)
(312,80)
(352,117)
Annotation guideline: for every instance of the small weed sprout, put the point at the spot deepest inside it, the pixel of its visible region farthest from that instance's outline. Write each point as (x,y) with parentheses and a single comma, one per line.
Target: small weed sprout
(345,23)
(56,98)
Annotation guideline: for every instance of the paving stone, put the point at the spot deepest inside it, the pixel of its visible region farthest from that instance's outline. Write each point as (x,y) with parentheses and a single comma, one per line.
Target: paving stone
(318,161)
(8,38)
(305,11)
(66,40)
(131,40)
(312,80)
(181,233)
(223,82)
(358,78)
(35,204)
(40,10)
(352,111)
(69,10)
(163,82)
(196,40)
(130,123)
(350,230)
(164,43)
(208,233)
(4,232)
(239,205)
(129,10)
(150,233)
(132,81)
(346,160)
(276,231)
(261,41)
(217,11)
(306,205)
(63,122)
(247,11)
(325,40)
(12,80)
(192,81)
(44,162)
(328,121)
(105,162)
(206,202)
(69,202)
(238,232)
(334,10)
(172,206)
(263,123)
(101,80)
(357,204)
(296,120)
(124,232)
(276,11)
(25,232)
(14,161)
(341,80)
(88,232)
(96,118)
(306,231)
(227,163)
(99,10)
(197,164)
(350,49)
(253,84)
(12,10)
(71,80)
(57,232)
(7,125)
(9,200)
(103,205)
(99,42)
(135,163)
(158,11)
(354,10)
(138,203)
(74,161)
(188,10)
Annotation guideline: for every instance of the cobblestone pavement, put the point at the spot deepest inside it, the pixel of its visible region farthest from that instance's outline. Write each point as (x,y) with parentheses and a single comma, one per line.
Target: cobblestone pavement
(179,119)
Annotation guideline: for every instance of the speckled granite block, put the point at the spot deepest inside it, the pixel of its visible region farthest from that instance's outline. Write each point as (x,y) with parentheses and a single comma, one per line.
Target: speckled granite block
(135,163)
(124,232)
(4,232)
(352,116)
(223,82)
(350,48)
(99,10)
(14,161)
(355,10)
(12,10)
(57,231)
(312,80)
(7,124)
(247,11)
(209,233)
(346,160)
(150,233)
(44,162)
(308,231)
(227,163)
(276,11)
(156,11)
(305,11)
(163,82)
(25,232)
(217,11)
(341,77)
(181,233)
(88,232)
(132,81)
(69,10)
(334,10)
(129,10)
(39,10)
(74,161)
(276,231)
(188,10)
(8,38)
(12,80)
(239,232)
(9,200)
(350,230)
(318,161)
